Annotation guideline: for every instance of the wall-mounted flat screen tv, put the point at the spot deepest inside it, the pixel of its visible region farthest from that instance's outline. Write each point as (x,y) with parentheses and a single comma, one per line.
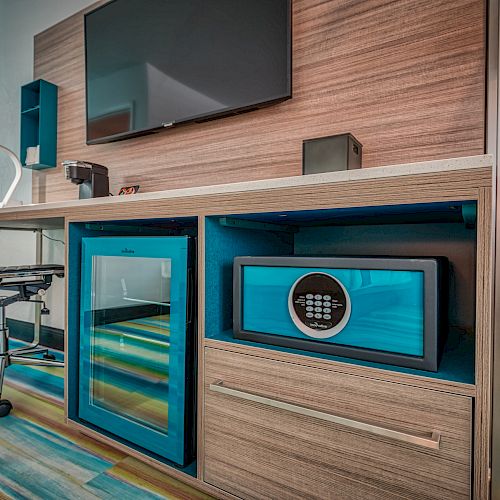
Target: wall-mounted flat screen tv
(157,63)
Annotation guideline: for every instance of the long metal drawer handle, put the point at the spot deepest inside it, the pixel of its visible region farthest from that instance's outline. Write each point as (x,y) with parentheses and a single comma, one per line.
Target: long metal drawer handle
(432,442)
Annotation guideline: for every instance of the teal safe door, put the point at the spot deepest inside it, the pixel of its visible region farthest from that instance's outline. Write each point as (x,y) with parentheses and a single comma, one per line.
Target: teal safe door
(133,341)
(381,309)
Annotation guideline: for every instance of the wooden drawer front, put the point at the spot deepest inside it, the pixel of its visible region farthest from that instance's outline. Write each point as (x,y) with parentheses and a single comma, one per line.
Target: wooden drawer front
(258,447)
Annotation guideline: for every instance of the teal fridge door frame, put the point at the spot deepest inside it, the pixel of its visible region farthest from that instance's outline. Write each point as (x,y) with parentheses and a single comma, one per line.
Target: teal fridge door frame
(169,445)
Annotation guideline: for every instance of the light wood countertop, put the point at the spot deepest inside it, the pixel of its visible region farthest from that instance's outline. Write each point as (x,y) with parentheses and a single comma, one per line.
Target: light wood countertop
(453,164)
(406,183)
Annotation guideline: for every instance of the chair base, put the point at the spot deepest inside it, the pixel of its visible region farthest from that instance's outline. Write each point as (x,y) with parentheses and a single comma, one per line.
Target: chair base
(20,357)
(27,282)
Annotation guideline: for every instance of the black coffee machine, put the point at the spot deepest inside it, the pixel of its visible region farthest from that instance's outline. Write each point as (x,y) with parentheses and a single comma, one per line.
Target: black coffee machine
(91,177)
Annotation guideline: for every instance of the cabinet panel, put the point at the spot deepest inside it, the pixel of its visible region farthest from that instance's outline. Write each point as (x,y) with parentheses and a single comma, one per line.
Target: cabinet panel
(281,430)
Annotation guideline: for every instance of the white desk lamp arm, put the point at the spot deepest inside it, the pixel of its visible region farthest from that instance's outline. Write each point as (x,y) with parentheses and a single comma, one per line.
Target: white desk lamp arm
(17,177)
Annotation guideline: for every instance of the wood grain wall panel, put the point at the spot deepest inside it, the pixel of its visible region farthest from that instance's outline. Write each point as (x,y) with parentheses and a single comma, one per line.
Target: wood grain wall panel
(406,78)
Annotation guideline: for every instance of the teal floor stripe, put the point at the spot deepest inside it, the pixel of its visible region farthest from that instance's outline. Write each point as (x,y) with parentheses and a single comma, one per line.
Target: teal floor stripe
(107,487)
(36,463)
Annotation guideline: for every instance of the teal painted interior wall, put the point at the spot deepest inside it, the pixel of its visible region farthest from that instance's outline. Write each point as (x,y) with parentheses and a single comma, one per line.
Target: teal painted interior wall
(453,241)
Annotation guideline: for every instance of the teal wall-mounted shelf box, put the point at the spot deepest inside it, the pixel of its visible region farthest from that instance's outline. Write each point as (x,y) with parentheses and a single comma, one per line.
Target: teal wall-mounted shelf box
(39,123)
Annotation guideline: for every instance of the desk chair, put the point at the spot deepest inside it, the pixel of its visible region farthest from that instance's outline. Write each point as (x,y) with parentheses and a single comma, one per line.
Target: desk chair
(26,282)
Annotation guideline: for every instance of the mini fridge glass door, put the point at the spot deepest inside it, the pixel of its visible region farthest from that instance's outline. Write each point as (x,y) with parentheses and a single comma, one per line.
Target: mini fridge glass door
(133,340)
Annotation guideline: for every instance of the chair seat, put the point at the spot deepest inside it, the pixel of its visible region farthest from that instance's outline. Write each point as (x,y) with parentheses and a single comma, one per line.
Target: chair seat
(31,270)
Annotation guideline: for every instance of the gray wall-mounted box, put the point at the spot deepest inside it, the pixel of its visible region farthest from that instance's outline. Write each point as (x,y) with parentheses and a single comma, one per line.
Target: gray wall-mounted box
(331,154)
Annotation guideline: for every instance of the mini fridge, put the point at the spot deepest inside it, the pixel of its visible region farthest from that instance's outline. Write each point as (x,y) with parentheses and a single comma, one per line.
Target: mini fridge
(137,345)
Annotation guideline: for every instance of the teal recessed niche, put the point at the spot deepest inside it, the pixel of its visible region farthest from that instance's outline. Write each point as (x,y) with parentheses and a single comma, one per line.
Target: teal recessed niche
(444,229)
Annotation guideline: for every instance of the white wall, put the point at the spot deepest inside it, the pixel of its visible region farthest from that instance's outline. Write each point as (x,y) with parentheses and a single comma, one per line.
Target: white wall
(20,20)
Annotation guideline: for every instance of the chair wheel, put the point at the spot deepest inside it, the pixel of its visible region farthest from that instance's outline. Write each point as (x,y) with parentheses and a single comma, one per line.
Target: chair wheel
(49,356)
(5,407)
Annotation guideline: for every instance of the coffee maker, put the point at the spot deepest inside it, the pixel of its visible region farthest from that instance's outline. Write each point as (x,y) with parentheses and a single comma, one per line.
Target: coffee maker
(91,177)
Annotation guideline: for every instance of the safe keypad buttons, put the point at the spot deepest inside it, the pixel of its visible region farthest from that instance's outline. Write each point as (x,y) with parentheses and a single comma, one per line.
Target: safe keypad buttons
(319,303)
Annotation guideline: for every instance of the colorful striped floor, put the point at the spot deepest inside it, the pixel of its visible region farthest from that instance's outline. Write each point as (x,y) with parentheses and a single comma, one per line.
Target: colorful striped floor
(40,458)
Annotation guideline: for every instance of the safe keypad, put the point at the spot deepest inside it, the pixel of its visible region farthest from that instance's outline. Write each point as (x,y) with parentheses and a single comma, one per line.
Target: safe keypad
(319,301)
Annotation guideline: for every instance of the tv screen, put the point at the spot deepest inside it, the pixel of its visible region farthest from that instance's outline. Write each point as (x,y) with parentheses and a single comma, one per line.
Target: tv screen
(157,63)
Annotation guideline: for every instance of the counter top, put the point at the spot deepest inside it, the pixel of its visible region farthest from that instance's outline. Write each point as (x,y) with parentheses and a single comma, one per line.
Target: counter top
(61,209)
(467,162)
